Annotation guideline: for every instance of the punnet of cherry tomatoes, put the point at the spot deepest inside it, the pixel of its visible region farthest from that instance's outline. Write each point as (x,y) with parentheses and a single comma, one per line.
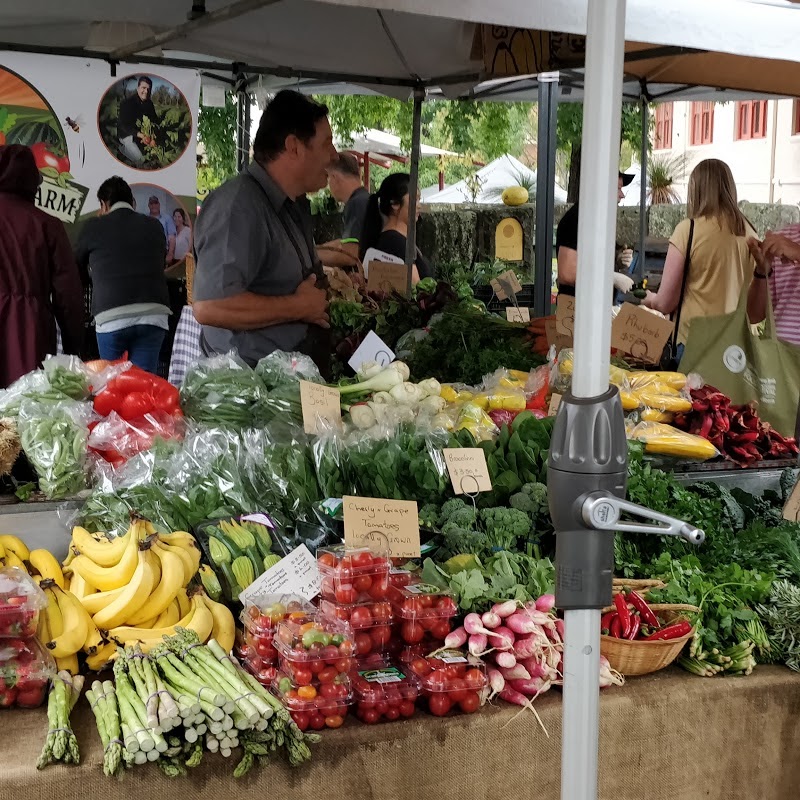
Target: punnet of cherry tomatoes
(353,575)
(450,680)
(384,692)
(315,707)
(371,623)
(260,620)
(423,613)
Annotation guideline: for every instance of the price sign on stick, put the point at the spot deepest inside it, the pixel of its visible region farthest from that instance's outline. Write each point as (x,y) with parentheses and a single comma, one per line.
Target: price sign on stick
(373,348)
(297,573)
(554,337)
(321,407)
(565,315)
(506,285)
(388,277)
(518,314)
(372,522)
(555,402)
(468,470)
(640,333)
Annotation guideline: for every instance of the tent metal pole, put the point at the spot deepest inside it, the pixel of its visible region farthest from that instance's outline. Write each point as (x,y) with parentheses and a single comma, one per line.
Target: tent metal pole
(545,191)
(413,184)
(645,104)
(242,125)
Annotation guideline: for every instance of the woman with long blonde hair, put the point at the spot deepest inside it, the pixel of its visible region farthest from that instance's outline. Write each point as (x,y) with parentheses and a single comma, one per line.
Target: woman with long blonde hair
(712,275)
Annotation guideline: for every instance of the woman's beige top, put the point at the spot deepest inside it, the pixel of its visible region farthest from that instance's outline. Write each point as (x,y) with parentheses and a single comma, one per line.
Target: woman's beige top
(720,269)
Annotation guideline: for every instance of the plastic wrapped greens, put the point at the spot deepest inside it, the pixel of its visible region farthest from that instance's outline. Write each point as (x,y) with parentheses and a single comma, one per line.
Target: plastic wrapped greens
(28,386)
(67,375)
(222,392)
(281,373)
(54,438)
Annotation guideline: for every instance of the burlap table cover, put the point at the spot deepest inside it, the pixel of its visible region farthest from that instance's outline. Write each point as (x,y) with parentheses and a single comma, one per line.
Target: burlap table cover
(669,736)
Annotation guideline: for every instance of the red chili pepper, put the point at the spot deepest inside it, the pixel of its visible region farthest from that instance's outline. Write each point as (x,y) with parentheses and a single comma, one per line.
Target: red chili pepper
(640,604)
(605,622)
(616,627)
(624,613)
(674,631)
(635,625)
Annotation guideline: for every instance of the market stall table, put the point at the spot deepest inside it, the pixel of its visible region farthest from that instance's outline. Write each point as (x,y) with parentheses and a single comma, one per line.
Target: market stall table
(667,736)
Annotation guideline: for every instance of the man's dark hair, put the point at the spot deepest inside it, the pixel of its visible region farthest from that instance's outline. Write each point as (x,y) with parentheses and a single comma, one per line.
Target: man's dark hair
(289,113)
(346,164)
(115,190)
(145,79)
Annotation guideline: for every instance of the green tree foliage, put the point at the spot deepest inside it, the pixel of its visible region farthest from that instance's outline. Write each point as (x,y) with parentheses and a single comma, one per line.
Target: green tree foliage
(216,130)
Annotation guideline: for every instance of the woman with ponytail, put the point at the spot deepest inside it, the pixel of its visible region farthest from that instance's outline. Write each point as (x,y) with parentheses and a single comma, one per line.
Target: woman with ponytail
(386,224)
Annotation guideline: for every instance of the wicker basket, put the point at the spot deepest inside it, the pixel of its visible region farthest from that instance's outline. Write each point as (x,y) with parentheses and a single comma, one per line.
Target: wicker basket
(639,585)
(641,657)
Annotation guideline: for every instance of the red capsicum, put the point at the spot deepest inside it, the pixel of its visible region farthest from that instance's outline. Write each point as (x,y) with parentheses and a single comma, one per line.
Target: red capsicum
(640,604)
(674,631)
(624,614)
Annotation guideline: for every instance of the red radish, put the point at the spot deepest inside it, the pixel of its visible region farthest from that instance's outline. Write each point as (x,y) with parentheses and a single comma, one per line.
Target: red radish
(609,676)
(491,620)
(527,647)
(505,609)
(478,644)
(496,682)
(505,659)
(546,603)
(527,621)
(535,669)
(473,625)
(560,628)
(505,636)
(516,673)
(531,688)
(456,638)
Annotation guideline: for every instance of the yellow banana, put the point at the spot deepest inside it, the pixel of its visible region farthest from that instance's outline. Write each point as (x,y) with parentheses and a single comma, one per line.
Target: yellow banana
(189,555)
(105,552)
(13,560)
(55,620)
(183,603)
(199,620)
(130,633)
(43,629)
(169,617)
(180,538)
(103,656)
(107,578)
(171,580)
(133,597)
(79,587)
(15,545)
(2,552)
(69,663)
(224,628)
(149,528)
(44,562)
(99,600)
(76,627)
(94,639)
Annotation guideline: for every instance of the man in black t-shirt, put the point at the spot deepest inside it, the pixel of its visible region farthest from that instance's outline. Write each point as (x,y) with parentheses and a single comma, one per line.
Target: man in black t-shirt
(132,113)
(567,247)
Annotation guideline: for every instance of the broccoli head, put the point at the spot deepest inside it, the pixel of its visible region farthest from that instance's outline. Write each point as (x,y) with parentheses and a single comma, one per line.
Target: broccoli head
(505,525)
(458,512)
(531,498)
(429,516)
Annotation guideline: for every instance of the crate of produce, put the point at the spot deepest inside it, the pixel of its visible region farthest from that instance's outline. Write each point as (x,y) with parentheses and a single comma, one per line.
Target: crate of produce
(26,669)
(383,692)
(450,680)
(353,575)
(21,601)
(422,612)
(260,621)
(314,708)
(315,649)
(639,638)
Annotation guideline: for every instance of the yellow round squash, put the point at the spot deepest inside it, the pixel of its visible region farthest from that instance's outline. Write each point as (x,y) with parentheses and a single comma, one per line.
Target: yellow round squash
(515,195)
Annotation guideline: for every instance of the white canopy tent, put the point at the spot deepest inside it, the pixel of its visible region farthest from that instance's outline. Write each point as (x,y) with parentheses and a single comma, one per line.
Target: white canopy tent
(493,178)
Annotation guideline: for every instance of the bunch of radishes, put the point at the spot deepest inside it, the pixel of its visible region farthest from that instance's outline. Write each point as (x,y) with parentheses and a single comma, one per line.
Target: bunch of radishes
(526,644)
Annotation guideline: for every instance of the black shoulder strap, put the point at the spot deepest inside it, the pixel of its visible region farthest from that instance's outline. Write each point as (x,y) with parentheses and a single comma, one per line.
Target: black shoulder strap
(676,315)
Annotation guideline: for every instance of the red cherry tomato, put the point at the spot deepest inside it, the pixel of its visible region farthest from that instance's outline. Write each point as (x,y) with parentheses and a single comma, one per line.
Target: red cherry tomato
(343,665)
(380,587)
(458,690)
(363,644)
(326,560)
(419,666)
(302,676)
(407,709)
(447,606)
(381,707)
(380,636)
(362,560)
(362,583)
(327,675)
(346,594)
(369,716)
(439,704)
(470,703)
(266,651)
(382,611)
(474,679)
(301,719)
(392,713)
(361,616)
(440,629)
(316,721)
(412,632)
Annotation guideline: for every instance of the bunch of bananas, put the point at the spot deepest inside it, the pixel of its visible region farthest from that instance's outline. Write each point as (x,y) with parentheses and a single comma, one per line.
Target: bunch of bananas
(133,588)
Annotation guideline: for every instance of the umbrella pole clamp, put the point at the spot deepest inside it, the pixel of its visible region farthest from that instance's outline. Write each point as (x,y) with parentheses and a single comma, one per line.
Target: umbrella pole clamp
(586,479)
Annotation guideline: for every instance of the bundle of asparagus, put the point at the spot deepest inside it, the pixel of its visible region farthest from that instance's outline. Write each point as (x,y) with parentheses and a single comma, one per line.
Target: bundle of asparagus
(61,744)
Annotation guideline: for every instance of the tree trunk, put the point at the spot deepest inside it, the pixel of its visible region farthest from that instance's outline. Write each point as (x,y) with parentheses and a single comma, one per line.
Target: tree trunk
(574,181)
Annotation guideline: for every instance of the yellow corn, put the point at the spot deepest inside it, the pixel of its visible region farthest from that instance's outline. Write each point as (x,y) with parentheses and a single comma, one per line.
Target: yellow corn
(665,402)
(630,401)
(640,379)
(654,415)
(668,441)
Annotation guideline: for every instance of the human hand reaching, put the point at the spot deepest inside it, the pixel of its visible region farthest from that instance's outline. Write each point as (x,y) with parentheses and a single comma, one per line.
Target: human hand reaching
(622,282)
(312,303)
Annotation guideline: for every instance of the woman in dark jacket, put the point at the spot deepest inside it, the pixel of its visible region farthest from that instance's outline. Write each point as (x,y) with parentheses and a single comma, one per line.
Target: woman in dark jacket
(39,279)
(386,224)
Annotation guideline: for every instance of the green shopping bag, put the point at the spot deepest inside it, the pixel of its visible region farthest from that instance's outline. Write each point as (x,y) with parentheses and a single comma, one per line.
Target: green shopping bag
(748,367)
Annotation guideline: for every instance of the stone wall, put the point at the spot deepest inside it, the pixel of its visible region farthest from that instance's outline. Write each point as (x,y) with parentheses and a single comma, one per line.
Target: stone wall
(465,232)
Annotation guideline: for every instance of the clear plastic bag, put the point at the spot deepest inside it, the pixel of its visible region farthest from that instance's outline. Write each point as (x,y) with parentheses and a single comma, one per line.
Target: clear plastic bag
(68,375)
(29,385)
(280,368)
(117,440)
(55,440)
(222,392)
(665,440)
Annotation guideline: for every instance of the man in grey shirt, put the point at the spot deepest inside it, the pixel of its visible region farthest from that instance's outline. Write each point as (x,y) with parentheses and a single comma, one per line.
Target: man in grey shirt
(258,284)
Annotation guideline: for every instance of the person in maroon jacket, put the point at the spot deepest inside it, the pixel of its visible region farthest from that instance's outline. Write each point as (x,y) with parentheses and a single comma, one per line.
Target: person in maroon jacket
(39,280)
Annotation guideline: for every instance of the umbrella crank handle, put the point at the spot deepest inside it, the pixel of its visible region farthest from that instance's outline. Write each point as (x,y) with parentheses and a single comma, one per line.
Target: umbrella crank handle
(602,510)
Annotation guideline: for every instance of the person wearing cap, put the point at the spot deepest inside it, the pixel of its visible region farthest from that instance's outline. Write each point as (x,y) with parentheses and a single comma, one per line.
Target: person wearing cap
(40,284)
(259,285)
(167,223)
(567,248)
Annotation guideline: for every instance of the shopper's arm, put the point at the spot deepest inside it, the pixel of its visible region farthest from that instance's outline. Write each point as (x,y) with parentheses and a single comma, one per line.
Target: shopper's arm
(757,294)
(669,292)
(567,265)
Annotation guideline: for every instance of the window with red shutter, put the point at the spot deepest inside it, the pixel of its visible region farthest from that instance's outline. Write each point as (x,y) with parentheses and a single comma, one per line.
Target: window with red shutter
(751,120)
(664,126)
(702,124)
